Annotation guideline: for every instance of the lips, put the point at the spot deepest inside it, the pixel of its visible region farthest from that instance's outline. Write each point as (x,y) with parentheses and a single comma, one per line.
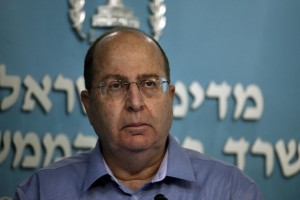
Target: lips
(135,124)
(139,126)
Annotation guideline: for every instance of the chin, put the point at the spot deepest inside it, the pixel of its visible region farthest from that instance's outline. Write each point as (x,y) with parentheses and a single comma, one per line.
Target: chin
(140,146)
(137,144)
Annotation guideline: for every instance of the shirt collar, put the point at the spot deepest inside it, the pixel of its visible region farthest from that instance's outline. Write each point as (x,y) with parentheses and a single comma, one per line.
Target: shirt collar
(175,164)
(179,165)
(160,175)
(162,171)
(96,168)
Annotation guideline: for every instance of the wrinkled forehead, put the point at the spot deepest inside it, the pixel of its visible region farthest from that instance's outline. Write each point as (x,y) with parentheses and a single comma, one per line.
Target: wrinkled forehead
(131,40)
(119,44)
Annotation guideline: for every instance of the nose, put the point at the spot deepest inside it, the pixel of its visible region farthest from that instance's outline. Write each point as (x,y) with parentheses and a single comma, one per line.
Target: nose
(134,98)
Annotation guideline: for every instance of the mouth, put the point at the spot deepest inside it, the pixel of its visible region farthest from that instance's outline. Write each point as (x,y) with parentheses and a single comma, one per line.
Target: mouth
(136,128)
(135,125)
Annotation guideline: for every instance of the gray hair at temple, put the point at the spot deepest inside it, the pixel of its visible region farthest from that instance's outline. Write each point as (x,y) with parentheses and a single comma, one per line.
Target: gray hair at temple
(89,58)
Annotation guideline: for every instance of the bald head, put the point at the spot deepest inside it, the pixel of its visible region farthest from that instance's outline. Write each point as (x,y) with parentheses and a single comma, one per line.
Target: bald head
(121,41)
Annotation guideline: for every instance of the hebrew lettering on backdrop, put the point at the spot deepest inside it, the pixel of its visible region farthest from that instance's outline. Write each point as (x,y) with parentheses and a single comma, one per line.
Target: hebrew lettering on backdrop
(31,141)
(252,92)
(197,92)
(239,148)
(66,85)
(61,142)
(265,149)
(220,92)
(194,144)
(5,198)
(29,150)
(286,157)
(84,142)
(5,140)
(29,147)
(40,93)
(11,82)
(180,110)
(289,157)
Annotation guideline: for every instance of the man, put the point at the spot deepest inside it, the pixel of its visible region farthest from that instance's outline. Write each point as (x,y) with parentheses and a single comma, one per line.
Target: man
(129,103)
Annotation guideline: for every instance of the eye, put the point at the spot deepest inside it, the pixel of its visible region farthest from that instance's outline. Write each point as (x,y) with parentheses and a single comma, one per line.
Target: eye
(115,85)
(149,83)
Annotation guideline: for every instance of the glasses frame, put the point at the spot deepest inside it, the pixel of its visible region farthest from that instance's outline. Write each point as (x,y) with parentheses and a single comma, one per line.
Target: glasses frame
(161,81)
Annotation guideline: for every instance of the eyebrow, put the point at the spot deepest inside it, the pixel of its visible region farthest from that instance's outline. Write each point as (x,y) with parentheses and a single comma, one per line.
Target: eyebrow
(125,78)
(114,76)
(144,76)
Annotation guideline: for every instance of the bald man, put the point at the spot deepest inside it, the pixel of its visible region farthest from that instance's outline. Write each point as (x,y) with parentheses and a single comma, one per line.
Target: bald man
(129,101)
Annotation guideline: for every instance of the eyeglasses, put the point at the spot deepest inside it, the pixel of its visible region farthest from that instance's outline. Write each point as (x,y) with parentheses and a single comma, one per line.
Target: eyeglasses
(148,87)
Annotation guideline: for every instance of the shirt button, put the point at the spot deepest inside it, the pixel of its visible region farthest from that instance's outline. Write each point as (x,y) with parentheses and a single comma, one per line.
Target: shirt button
(134,197)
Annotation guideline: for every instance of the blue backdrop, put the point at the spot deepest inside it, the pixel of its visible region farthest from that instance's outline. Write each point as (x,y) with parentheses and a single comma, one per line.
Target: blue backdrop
(235,65)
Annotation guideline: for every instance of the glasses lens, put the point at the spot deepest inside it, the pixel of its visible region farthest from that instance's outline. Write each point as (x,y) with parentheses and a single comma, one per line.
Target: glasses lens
(149,87)
(114,89)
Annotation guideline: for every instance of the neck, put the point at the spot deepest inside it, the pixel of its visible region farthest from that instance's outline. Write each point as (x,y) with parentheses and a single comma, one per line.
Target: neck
(134,169)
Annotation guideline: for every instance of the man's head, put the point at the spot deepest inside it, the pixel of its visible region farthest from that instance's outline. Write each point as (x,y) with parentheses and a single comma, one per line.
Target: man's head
(129,101)
(89,59)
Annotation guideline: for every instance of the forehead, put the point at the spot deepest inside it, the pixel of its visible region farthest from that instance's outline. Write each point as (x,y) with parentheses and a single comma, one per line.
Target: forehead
(128,54)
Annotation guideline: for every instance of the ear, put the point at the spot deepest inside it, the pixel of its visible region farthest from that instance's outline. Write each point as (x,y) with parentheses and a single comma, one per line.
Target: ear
(85,99)
(172,92)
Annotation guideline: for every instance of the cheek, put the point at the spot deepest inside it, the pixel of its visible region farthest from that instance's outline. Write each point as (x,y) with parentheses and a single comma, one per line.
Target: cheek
(104,117)
(163,114)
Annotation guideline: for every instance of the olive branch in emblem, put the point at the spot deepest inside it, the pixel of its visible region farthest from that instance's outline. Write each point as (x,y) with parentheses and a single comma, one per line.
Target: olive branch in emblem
(77,16)
(157,19)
